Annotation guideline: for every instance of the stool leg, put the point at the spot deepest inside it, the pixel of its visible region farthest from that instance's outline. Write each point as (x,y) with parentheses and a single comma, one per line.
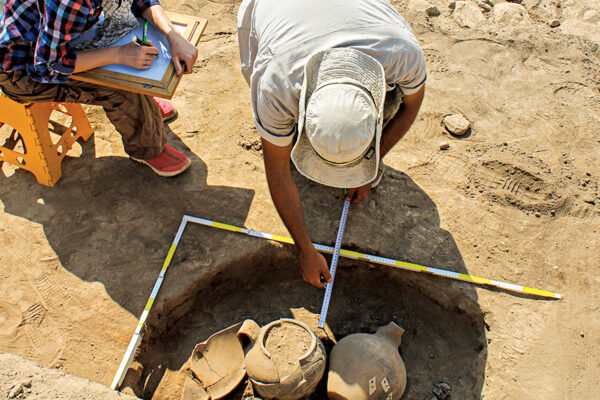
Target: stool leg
(80,121)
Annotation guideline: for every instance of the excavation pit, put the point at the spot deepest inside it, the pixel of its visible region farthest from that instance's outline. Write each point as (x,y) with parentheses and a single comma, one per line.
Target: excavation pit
(444,339)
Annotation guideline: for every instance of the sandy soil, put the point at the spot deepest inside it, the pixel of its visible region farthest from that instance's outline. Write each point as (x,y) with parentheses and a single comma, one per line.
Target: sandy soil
(515,199)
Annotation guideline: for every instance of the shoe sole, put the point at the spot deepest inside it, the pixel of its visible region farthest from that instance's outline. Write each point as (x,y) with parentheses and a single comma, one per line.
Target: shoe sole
(170,117)
(163,173)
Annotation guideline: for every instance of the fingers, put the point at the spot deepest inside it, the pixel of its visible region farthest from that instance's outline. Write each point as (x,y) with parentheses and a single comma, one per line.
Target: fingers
(361,195)
(177,65)
(356,195)
(188,66)
(350,194)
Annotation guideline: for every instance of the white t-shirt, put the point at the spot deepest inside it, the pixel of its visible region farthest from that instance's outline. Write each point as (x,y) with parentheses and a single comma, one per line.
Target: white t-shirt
(277,37)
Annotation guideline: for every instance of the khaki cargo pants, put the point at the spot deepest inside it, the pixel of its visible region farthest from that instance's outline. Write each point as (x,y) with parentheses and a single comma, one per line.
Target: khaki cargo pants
(135,116)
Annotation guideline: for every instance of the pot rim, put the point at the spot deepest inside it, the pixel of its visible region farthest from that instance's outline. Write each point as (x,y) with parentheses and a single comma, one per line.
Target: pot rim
(266,328)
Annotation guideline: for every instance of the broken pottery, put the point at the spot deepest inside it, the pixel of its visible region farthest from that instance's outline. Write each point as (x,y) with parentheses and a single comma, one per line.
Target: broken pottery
(216,366)
(284,359)
(367,366)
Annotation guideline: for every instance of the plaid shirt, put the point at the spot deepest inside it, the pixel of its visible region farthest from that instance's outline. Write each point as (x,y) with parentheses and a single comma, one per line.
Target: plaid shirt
(35,34)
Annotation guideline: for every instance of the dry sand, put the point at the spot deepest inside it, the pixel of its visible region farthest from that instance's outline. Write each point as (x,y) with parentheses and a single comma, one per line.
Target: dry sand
(516,199)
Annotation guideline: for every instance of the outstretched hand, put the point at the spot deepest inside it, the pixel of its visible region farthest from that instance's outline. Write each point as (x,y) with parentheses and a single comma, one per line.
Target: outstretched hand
(313,267)
(356,195)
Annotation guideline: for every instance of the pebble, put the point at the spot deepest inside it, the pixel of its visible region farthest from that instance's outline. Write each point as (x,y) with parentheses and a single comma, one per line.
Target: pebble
(26,383)
(432,11)
(555,23)
(581,334)
(424,6)
(17,390)
(484,5)
(589,198)
(456,124)
(442,390)
(511,14)
(467,15)
(444,145)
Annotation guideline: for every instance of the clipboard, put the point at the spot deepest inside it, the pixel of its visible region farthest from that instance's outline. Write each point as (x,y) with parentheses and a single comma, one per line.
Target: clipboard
(160,80)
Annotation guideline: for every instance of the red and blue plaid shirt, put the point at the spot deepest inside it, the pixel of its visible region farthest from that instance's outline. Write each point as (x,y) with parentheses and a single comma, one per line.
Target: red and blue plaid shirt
(35,34)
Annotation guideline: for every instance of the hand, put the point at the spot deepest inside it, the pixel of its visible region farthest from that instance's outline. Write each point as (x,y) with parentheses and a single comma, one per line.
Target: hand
(356,195)
(182,52)
(312,267)
(136,56)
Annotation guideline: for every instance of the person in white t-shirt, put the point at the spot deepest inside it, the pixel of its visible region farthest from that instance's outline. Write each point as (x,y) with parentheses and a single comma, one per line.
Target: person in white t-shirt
(346,78)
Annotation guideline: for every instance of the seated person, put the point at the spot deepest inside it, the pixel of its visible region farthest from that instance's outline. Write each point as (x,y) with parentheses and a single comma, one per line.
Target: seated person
(43,42)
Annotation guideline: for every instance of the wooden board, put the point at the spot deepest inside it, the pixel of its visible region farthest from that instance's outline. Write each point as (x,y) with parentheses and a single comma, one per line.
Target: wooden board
(160,80)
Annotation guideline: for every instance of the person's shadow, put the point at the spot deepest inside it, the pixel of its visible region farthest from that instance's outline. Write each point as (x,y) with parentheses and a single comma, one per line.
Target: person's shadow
(444,346)
(111,220)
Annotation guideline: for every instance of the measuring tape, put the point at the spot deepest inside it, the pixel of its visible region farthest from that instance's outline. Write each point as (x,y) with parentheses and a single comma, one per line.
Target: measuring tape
(337,251)
(334,261)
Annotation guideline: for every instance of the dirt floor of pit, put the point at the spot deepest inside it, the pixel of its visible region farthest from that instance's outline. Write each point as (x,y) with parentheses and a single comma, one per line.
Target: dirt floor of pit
(441,343)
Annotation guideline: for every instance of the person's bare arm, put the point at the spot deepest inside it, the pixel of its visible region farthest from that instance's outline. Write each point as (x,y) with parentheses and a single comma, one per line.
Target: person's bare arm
(393,132)
(287,202)
(182,51)
(131,54)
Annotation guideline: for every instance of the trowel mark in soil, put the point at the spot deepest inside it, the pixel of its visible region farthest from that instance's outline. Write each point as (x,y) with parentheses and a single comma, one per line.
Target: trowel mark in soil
(444,338)
(510,178)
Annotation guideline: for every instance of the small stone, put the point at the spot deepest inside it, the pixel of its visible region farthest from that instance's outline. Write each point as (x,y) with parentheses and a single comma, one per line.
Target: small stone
(432,11)
(537,215)
(555,267)
(468,15)
(484,5)
(424,6)
(589,198)
(581,334)
(511,14)
(555,23)
(452,5)
(26,383)
(444,146)
(456,124)
(442,390)
(17,390)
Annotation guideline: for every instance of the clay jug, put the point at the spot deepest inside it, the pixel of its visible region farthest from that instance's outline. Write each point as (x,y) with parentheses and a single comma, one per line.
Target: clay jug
(367,366)
(284,359)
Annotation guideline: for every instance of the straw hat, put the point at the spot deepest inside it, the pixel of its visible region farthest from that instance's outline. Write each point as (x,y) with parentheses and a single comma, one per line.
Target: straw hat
(340,118)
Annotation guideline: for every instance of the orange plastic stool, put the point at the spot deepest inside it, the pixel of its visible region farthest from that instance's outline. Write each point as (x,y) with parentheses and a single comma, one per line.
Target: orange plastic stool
(30,121)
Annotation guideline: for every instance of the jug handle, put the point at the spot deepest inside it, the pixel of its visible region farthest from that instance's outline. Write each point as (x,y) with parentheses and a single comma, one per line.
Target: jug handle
(247,334)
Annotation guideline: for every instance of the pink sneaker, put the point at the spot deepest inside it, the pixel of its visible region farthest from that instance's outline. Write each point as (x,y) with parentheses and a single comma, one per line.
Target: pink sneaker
(168,163)
(167,110)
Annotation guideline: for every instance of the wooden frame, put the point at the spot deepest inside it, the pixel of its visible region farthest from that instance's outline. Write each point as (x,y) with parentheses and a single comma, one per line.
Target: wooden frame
(193,29)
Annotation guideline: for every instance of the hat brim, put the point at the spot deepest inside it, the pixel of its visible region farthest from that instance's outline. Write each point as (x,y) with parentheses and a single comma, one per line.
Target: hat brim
(340,65)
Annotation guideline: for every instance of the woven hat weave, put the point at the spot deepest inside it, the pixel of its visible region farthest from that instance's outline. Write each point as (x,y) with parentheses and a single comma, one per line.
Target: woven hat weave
(340,118)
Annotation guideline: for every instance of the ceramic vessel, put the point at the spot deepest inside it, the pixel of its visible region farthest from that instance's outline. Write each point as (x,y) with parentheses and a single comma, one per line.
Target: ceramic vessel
(216,366)
(367,366)
(273,376)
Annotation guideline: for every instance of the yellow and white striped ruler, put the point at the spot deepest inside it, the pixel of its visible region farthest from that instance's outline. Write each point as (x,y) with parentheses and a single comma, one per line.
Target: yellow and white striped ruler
(139,331)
